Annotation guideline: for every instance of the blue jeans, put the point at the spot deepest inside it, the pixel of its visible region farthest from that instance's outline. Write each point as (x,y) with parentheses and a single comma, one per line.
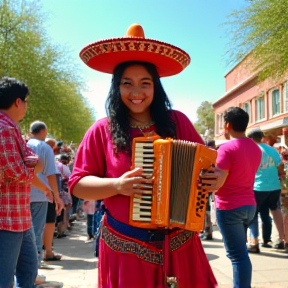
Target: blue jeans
(18,254)
(38,214)
(233,227)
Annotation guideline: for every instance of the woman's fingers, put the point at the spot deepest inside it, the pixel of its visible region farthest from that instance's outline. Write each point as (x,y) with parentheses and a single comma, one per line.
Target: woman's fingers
(135,172)
(134,185)
(133,182)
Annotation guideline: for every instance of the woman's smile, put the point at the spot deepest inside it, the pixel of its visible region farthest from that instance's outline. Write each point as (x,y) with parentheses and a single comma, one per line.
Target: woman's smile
(137,101)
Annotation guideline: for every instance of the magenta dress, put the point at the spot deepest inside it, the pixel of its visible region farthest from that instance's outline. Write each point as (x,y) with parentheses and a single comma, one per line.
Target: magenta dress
(126,262)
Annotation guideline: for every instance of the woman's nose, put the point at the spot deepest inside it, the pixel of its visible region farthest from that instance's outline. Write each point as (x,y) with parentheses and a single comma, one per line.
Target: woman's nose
(135,92)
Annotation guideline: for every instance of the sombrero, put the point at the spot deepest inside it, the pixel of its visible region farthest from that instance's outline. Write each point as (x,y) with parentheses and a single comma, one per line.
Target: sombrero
(105,55)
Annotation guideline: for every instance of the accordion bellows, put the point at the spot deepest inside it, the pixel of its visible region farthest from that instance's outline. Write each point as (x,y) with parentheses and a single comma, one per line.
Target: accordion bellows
(176,197)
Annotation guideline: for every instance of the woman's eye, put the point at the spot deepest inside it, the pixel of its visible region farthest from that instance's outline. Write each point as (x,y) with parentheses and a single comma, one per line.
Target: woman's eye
(125,83)
(146,83)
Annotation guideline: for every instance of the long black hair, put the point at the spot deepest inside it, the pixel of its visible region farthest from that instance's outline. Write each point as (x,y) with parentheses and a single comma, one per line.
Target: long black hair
(118,113)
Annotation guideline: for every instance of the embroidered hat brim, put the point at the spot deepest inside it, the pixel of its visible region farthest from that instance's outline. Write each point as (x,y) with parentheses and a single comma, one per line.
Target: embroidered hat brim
(105,55)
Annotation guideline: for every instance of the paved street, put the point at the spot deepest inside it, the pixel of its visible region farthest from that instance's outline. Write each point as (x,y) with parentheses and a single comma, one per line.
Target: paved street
(269,267)
(78,265)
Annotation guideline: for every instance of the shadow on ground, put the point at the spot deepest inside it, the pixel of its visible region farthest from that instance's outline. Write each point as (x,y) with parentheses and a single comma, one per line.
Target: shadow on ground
(212,257)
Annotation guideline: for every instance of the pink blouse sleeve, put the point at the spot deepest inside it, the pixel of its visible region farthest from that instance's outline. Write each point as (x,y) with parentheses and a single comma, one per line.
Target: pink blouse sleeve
(90,156)
(185,129)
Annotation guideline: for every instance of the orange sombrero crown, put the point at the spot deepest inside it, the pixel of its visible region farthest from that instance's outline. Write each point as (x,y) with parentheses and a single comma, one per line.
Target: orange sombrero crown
(105,55)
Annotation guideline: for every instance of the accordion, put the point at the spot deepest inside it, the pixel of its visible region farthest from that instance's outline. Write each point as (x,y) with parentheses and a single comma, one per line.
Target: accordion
(176,197)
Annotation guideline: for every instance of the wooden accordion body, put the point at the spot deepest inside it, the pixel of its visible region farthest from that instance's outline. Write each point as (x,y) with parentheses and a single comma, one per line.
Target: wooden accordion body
(175,199)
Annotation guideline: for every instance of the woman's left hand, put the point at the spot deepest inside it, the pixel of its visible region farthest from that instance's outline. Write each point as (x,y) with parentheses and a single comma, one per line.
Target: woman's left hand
(131,182)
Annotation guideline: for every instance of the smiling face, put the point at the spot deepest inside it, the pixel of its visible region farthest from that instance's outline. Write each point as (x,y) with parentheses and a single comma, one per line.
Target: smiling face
(137,92)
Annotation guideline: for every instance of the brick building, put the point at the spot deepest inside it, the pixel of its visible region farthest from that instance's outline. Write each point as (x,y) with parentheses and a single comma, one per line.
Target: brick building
(265,102)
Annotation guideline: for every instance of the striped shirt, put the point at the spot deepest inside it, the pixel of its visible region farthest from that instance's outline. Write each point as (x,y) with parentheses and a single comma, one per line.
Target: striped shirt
(15,178)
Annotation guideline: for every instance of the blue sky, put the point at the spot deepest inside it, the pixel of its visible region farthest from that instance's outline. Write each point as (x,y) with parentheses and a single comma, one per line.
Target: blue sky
(193,25)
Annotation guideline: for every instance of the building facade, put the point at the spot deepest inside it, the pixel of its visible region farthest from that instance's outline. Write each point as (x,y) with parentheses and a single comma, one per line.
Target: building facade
(265,102)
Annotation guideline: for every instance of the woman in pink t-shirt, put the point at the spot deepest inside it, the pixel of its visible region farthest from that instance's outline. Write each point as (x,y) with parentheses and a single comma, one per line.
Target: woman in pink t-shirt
(236,166)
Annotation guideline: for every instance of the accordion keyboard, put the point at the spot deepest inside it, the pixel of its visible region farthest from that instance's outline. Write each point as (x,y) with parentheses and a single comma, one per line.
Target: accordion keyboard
(142,202)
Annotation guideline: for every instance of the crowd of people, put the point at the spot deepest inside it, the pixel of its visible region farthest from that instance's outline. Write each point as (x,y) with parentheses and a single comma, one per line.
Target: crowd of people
(57,219)
(35,201)
(40,191)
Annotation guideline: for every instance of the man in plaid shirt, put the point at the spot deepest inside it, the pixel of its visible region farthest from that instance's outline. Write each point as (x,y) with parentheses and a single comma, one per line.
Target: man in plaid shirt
(18,165)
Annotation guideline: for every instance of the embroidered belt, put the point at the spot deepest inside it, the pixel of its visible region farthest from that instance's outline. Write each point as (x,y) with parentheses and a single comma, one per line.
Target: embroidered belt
(141,234)
(148,251)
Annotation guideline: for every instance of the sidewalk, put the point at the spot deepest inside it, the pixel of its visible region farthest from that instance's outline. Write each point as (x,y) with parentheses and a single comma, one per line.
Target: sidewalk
(269,267)
(78,265)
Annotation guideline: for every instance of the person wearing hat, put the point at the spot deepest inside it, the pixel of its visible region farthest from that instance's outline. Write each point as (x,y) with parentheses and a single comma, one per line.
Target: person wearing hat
(267,189)
(137,105)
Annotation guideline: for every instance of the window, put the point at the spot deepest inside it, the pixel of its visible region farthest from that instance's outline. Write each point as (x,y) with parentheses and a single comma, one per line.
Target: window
(222,121)
(285,97)
(260,108)
(247,107)
(275,102)
(219,122)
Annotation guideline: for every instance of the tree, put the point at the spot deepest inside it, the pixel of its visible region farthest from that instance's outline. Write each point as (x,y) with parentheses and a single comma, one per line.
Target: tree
(261,31)
(27,53)
(205,123)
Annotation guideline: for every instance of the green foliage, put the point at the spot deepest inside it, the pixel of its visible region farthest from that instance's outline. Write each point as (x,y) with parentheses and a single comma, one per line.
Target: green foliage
(205,123)
(260,30)
(27,53)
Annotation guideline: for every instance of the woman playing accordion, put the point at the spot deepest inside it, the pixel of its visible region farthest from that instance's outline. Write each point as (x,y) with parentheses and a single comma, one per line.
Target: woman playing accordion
(137,105)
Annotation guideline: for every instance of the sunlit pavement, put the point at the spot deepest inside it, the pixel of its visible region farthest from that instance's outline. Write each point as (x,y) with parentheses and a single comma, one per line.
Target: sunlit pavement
(269,267)
(78,266)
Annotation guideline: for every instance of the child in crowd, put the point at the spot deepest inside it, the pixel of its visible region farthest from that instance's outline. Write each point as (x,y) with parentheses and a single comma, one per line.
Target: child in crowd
(63,219)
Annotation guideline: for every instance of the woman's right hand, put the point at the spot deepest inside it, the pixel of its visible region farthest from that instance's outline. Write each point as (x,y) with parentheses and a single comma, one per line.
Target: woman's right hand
(131,182)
